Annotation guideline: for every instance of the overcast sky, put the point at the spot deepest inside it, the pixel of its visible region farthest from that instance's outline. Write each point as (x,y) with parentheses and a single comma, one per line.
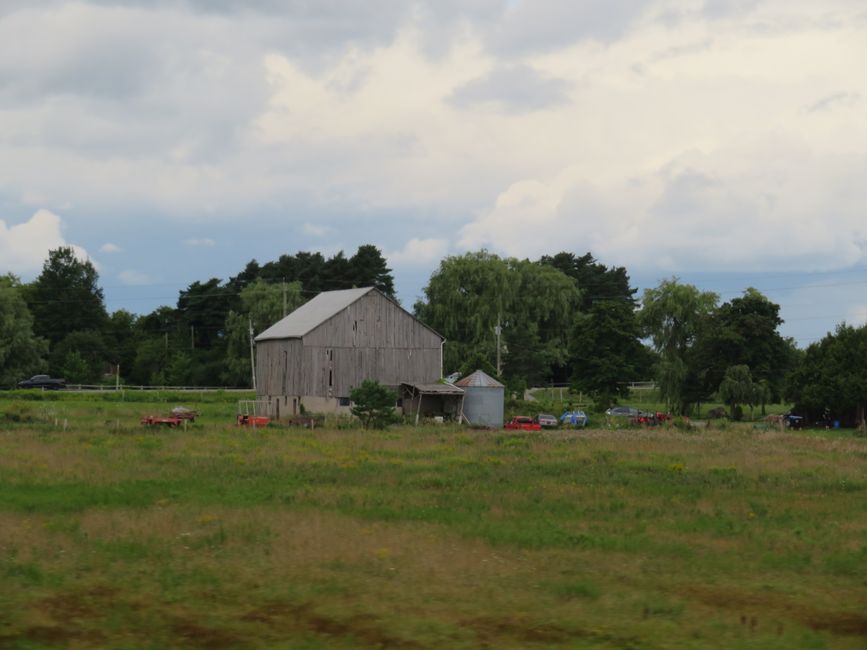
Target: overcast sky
(722,141)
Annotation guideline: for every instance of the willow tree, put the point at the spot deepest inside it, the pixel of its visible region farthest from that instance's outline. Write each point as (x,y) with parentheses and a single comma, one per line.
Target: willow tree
(672,315)
(537,330)
(738,387)
(470,296)
(466,298)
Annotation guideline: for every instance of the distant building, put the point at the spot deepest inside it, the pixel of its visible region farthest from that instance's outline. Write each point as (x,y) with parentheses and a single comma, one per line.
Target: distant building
(317,354)
(484,399)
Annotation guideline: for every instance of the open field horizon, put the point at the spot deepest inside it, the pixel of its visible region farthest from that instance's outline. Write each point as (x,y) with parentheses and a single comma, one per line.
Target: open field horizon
(113,535)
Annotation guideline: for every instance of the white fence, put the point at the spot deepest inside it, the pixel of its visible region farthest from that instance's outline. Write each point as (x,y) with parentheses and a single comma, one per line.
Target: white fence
(90,388)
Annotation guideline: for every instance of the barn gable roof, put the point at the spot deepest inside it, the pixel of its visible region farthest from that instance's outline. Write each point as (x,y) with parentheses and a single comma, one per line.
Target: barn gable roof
(313,313)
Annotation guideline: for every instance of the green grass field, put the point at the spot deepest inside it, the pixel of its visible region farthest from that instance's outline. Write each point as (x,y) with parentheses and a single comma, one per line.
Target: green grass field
(115,536)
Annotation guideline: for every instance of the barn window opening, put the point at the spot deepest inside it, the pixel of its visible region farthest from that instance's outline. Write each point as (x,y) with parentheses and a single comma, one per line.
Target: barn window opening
(330,378)
(343,401)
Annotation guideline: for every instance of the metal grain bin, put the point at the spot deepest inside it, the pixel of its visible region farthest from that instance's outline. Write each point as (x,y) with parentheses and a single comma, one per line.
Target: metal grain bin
(483,399)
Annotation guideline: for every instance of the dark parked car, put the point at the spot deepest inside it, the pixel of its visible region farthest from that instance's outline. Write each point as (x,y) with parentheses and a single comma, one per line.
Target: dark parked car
(42,381)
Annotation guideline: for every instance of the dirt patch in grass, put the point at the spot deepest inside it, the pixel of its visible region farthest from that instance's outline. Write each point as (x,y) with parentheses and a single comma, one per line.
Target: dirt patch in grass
(304,617)
(843,623)
(197,635)
(777,607)
(84,604)
(61,636)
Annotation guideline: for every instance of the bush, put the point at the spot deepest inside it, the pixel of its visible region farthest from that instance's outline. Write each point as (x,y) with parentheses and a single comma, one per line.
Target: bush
(373,404)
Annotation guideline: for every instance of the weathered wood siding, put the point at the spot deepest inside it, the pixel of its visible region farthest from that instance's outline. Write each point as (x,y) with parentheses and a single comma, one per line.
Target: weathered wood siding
(373,321)
(346,368)
(279,370)
(371,339)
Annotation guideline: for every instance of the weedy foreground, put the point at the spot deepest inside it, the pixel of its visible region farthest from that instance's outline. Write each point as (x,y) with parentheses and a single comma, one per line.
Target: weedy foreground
(112,535)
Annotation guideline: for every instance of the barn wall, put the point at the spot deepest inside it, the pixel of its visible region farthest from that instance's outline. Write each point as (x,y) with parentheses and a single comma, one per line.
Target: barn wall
(279,370)
(371,339)
(336,371)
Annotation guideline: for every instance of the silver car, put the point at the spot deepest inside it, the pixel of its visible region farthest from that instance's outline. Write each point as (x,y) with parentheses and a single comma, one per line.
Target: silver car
(546,421)
(623,412)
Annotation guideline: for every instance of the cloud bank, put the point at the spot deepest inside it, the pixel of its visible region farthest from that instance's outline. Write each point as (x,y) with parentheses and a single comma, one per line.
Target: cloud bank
(670,135)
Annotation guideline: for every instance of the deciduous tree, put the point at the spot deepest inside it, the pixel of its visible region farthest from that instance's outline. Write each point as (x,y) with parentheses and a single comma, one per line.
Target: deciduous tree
(671,315)
(605,351)
(66,297)
(22,354)
(832,377)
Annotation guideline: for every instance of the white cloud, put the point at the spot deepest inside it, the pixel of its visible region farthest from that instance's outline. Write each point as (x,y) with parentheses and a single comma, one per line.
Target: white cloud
(317,230)
(419,252)
(110,248)
(204,242)
(24,247)
(676,134)
(751,206)
(132,277)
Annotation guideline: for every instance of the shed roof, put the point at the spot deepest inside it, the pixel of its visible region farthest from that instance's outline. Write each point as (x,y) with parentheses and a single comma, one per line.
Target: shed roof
(479,378)
(435,389)
(312,314)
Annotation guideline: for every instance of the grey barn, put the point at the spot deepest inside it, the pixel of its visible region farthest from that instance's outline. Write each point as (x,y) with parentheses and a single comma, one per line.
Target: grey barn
(317,354)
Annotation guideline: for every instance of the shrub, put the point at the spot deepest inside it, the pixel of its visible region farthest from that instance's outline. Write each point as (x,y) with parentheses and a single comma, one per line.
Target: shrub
(373,404)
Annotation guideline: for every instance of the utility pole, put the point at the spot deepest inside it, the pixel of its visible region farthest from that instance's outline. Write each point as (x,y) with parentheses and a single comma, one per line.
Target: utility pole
(252,358)
(192,337)
(284,298)
(498,330)
(117,377)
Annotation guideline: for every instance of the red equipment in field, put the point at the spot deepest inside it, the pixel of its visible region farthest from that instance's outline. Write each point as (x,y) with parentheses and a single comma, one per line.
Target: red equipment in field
(249,413)
(178,416)
(253,421)
(157,420)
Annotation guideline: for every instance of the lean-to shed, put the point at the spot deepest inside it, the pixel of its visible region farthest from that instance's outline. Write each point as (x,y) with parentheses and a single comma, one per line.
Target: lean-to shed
(483,399)
(317,354)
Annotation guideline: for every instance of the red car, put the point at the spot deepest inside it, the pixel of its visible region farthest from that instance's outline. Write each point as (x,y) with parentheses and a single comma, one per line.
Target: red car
(523,423)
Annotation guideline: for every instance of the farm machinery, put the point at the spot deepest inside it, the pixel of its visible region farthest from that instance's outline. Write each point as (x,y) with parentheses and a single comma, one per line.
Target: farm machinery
(250,413)
(177,416)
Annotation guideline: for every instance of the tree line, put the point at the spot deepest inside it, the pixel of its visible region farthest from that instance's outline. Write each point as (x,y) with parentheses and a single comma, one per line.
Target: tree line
(59,323)
(564,318)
